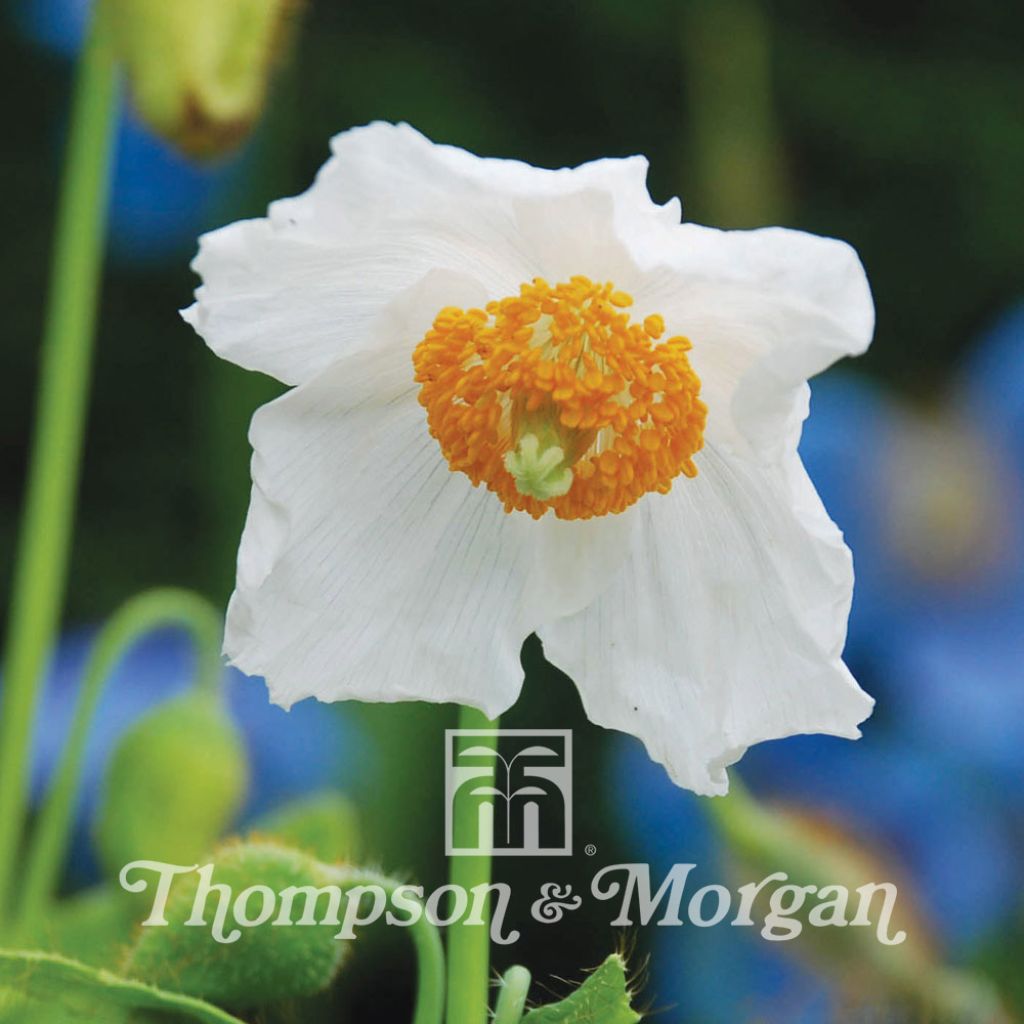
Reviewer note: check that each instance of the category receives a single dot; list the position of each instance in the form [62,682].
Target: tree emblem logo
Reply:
[520,783]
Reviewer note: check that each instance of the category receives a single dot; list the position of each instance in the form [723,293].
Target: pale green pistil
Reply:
[538,472]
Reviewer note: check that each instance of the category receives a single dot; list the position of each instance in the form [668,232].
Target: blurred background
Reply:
[898,127]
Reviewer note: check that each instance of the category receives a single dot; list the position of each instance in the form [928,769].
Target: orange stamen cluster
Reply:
[564,364]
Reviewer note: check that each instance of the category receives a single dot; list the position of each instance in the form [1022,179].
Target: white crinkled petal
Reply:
[368,569]
[726,625]
[291,293]
[285,305]
[391,171]
[571,561]
[765,311]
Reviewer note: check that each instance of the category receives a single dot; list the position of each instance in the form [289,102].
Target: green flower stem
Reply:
[430,973]
[736,156]
[40,567]
[515,986]
[469,947]
[136,618]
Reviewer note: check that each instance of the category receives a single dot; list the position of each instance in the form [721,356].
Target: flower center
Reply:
[555,400]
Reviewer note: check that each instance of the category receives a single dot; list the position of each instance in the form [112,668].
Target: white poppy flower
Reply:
[498,427]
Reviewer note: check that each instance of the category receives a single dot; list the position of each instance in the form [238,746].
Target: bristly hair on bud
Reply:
[606,994]
[199,72]
[264,963]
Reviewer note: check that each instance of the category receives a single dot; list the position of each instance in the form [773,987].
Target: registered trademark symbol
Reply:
[590,849]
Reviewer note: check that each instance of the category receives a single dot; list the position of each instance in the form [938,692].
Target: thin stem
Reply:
[515,987]
[430,972]
[48,514]
[136,618]
[734,136]
[469,944]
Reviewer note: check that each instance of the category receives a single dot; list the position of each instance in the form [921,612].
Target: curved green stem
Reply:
[469,945]
[41,562]
[430,972]
[515,987]
[138,616]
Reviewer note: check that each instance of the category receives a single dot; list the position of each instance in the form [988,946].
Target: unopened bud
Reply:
[324,825]
[198,70]
[175,782]
[253,960]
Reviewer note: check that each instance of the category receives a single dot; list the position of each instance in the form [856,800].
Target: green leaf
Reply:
[42,988]
[95,926]
[604,998]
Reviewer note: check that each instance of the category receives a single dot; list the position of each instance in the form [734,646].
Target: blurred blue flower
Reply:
[716,975]
[291,753]
[724,975]
[925,503]
[57,25]
[939,552]
[958,690]
[851,422]
[993,383]
[944,832]
[160,200]
[945,828]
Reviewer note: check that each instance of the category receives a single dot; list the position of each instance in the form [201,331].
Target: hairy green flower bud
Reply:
[174,783]
[264,963]
[198,70]
[324,825]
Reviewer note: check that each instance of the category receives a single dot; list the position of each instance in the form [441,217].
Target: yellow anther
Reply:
[654,326]
[553,399]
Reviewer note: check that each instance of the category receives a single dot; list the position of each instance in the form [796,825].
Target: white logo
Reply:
[519,797]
